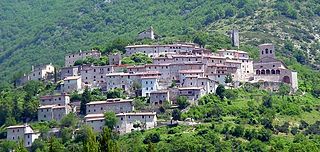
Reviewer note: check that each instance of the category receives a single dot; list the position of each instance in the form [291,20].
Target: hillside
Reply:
[37,32]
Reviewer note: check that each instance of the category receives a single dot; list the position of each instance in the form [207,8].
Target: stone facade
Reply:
[69,71]
[192,93]
[234,35]
[149,84]
[70,84]
[72,58]
[147,34]
[270,69]
[160,50]
[114,105]
[22,132]
[60,100]
[53,112]
[159,97]
[42,72]
[127,122]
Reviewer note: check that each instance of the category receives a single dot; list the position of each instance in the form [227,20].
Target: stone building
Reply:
[95,75]
[147,34]
[127,81]
[115,59]
[41,72]
[114,105]
[159,97]
[69,71]
[192,93]
[149,84]
[160,50]
[234,35]
[72,58]
[270,69]
[53,112]
[22,132]
[60,100]
[127,122]
[71,84]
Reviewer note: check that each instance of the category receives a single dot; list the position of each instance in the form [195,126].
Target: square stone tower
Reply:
[115,59]
[267,50]
[234,35]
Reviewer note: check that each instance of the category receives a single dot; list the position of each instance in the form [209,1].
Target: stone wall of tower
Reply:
[267,50]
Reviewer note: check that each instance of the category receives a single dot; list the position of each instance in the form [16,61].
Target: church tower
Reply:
[267,50]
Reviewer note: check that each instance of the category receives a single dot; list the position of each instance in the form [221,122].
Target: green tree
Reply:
[86,98]
[20,147]
[39,145]
[284,89]
[54,145]
[176,114]
[107,143]
[90,144]
[7,146]
[110,119]
[151,147]
[116,93]
[70,120]
[182,102]
[152,138]
[228,79]
[220,91]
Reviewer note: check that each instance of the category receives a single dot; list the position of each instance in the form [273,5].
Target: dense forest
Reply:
[36,32]
[245,119]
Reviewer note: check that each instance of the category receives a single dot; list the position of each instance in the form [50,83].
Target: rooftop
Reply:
[190,88]
[234,51]
[72,78]
[110,101]
[137,114]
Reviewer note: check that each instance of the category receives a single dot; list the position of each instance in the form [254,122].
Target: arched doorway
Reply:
[257,72]
[263,72]
[273,72]
[286,79]
[277,71]
[267,71]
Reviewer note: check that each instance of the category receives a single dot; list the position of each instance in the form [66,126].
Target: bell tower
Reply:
[267,50]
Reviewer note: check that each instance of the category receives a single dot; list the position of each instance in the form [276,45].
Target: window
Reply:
[142,116]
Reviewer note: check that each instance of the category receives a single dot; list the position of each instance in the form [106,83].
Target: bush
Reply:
[152,137]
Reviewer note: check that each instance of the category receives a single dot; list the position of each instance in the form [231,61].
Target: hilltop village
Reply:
[180,69]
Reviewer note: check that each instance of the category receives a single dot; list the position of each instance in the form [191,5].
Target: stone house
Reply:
[41,72]
[60,100]
[192,93]
[70,84]
[147,34]
[22,133]
[69,71]
[149,84]
[127,81]
[160,50]
[114,105]
[159,97]
[95,75]
[72,58]
[53,112]
[127,122]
